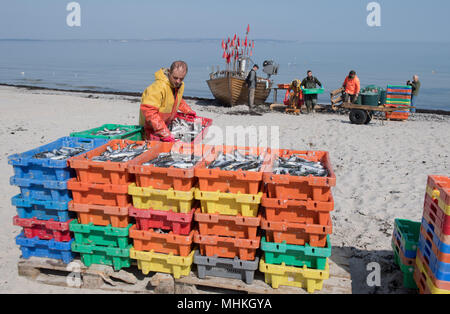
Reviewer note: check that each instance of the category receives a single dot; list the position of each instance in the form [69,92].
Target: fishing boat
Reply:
[229,86]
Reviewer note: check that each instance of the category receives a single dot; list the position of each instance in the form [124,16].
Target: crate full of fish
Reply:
[100,215]
[103,255]
[112,132]
[170,166]
[187,129]
[44,229]
[232,169]
[99,194]
[45,248]
[49,162]
[42,210]
[300,175]
[100,235]
[108,164]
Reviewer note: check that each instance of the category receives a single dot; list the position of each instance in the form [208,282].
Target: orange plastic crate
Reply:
[99,194]
[397,115]
[421,281]
[441,184]
[246,182]
[166,178]
[443,257]
[295,233]
[309,212]
[300,188]
[100,215]
[444,285]
[108,172]
[398,90]
[227,226]
[149,240]
[227,247]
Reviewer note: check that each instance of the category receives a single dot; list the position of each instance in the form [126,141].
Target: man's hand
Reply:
[192,113]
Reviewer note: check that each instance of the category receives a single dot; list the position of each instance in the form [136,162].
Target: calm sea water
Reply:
[105,65]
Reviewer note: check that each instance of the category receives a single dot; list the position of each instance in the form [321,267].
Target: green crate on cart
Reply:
[132,132]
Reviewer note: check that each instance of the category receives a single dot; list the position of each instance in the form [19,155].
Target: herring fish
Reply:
[120,154]
[298,166]
[166,160]
[185,131]
[61,153]
[236,161]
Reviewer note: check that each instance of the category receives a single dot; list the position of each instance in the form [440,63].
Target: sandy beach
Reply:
[381,168]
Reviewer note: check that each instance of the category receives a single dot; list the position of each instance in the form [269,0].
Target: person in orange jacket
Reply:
[161,101]
[352,87]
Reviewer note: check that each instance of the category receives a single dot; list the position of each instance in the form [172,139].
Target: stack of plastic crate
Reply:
[405,241]
[42,205]
[163,206]
[432,272]
[101,201]
[398,97]
[229,217]
[297,225]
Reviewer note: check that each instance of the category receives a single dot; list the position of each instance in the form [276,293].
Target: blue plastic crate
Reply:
[25,166]
[45,248]
[441,246]
[42,190]
[408,254]
[42,210]
[440,269]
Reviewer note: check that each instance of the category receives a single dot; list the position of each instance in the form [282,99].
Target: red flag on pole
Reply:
[224,55]
[248,28]
[245,43]
[239,42]
[253,44]
[234,37]
[223,45]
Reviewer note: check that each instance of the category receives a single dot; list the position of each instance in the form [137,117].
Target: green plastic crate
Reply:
[100,236]
[91,254]
[408,271]
[134,132]
[409,232]
[311,91]
[296,255]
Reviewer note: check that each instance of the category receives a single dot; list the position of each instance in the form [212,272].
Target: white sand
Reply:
[381,169]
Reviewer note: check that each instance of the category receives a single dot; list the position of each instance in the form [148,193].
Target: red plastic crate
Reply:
[227,247]
[397,115]
[146,219]
[300,188]
[228,226]
[309,212]
[100,215]
[108,172]
[297,234]
[149,240]
[246,182]
[99,194]
[167,178]
[44,229]
[442,185]
[438,217]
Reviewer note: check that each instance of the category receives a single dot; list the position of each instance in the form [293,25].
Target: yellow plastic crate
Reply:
[163,263]
[435,194]
[430,284]
[229,203]
[149,198]
[300,277]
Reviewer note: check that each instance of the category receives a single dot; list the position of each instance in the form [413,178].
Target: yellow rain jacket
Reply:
[159,105]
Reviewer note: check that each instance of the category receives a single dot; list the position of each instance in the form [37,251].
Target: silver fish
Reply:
[61,153]
[237,161]
[298,166]
[166,160]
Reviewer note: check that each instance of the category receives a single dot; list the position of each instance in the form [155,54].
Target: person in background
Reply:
[161,101]
[415,84]
[352,87]
[251,81]
[296,96]
[310,82]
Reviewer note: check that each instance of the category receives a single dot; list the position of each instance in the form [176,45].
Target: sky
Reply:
[312,20]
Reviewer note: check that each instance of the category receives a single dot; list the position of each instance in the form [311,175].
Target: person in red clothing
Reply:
[161,101]
[352,87]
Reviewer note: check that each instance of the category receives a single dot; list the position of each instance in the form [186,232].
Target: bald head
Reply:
[179,65]
[177,73]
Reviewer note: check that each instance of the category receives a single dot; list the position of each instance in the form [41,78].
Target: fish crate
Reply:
[163,178]
[408,233]
[440,219]
[429,224]
[211,245]
[148,262]
[146,219]
[297,234]
[296,255]
[407,266]
[300,277]
[45,248]
[99,194]
[225,267]
[100,215]
[426,281]
[433,242]
[421,282]
[100,235]
[166,243]
[228,226]
[438,188]
[206,123]
[231,204]
[239,181]
[42,210]
[130,132]
[312,91]
[27,167]
[44,229]
[290,187]
[149,198]
[440,269]
[42,190]
[309,211]
[102,255]
[107,172]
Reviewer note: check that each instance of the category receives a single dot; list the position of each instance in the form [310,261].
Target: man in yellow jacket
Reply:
[161,101]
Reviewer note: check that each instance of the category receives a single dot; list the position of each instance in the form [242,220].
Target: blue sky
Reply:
[318,20]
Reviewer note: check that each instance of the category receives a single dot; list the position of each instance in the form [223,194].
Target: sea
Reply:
[129,65]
